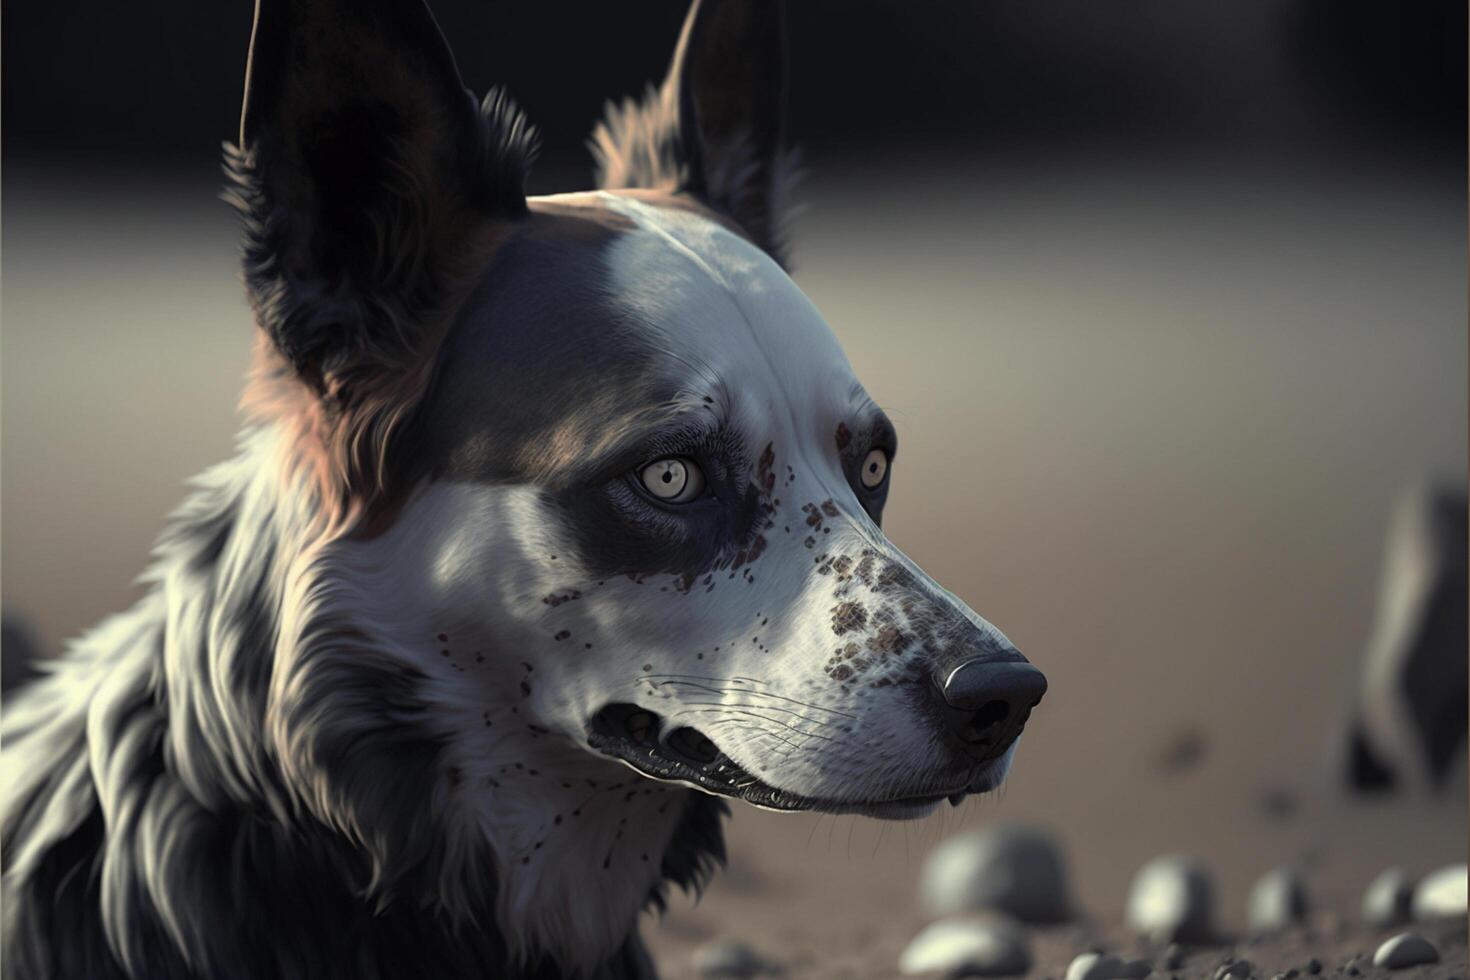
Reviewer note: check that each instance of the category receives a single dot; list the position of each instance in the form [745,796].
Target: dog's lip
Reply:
[723,776]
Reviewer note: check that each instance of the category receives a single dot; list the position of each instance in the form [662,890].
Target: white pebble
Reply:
[1386,900]
[1017,870]
[1104,966]
[1442,894]
[1172,900]
[1405,949]
[992,946]
[1278,901]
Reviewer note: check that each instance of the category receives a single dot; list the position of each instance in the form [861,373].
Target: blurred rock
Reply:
[1442,894]
[1233,969]
[1104,966]
[1405,949]
[1186,750]
[732,958]
[1387,899]
[1277,901]
[990,946]
[1172,899]
[1409,719]
[1278,803]
[1016,870]
[18,652]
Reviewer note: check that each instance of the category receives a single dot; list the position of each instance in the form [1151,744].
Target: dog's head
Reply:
[603,477]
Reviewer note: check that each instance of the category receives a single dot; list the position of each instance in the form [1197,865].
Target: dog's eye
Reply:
[875,468]
[674,480]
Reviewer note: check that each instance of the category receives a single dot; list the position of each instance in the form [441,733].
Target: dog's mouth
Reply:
[632,735]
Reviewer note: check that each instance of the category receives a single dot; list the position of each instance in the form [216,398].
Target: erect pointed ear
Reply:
[716,127]
[363,172]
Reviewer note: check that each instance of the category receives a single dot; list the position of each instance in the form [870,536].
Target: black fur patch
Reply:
[371,280]
[362,168]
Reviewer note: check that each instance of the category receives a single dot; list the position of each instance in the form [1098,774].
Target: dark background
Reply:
[157,84]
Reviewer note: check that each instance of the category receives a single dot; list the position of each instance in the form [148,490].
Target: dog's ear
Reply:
[715,128]
[364,173]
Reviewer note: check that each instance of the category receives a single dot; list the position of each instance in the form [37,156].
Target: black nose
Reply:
[987,702]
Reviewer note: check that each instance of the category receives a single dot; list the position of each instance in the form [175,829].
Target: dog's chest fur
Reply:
[580,853]
[580,841]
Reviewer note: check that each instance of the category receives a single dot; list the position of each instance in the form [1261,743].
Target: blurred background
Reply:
[1167,299]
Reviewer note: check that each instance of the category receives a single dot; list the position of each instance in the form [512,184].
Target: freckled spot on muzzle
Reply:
[888,639]
[845,662]
[848,616]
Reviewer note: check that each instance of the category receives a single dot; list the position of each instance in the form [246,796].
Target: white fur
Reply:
[744,663]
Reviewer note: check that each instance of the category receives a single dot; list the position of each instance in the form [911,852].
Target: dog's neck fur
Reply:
[189,789]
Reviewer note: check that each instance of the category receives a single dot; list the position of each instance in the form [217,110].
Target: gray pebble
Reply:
[1173,957]
[1236,969]
[1278,901]
[1405,949]
[1314,966]
[1104,966]
[1017,870]
[990,946]
[1441,895]
[732,958]
[1387,899]
[1172,900]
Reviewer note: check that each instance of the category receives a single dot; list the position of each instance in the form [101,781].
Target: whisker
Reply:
[769,707]
[751,708]
[731,709]
[674,680]
[760,732]
[706,677]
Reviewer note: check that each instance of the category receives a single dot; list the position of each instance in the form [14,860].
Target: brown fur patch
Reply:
[847,616]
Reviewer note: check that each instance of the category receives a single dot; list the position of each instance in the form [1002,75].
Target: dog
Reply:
[555,525]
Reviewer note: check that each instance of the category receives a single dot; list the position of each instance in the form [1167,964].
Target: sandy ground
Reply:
[1336,944]
[1151,424]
